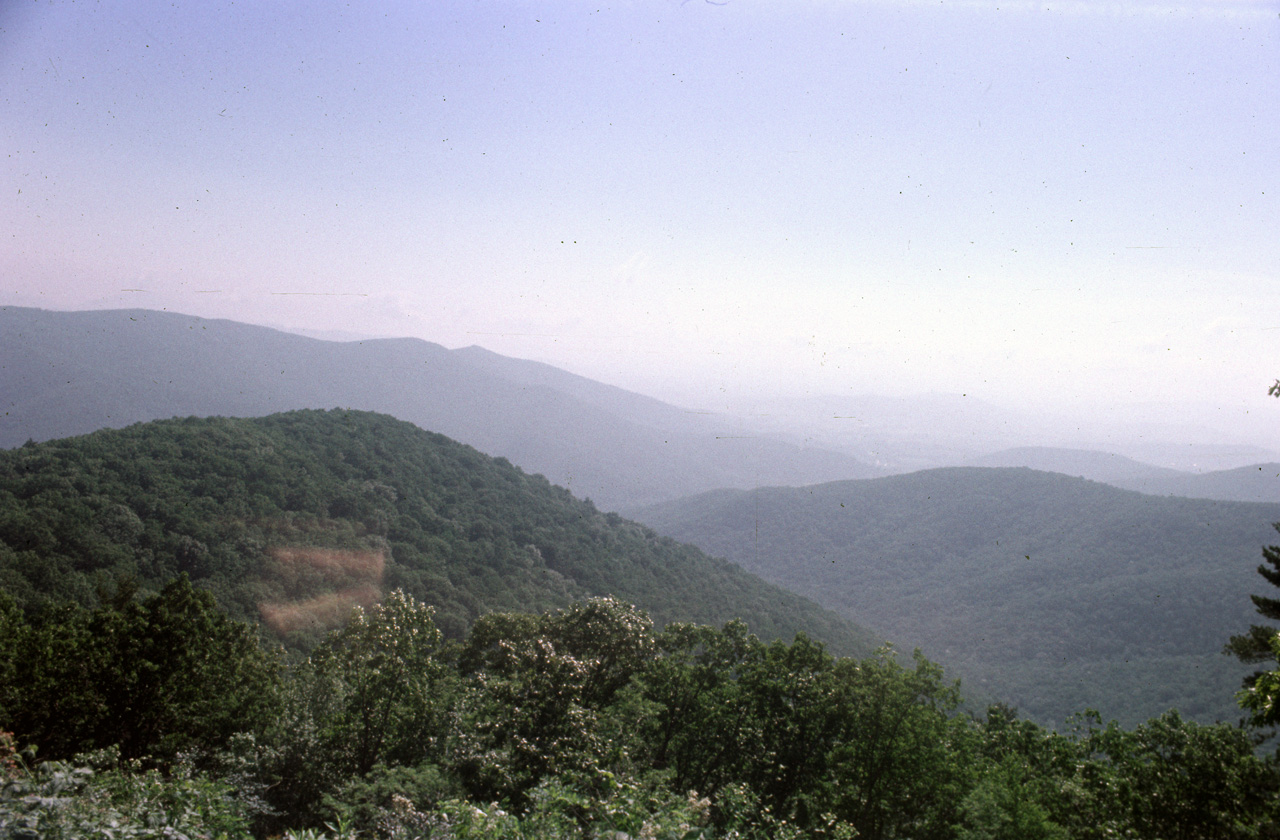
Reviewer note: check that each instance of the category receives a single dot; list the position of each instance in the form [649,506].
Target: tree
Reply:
[168,673]
[181,674]
[378,675]
[1261,693]
[704,729]
[375,692]
[1256,644]
[538,686]
[893,769]
[789,733]
[1177,779]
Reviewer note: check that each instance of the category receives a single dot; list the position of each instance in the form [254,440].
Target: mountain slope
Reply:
[1254,483]
[295,517]
[66,373]
[1095,466]
[1054,592]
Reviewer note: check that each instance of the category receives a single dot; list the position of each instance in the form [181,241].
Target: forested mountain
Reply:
[155,714]
[1054,593]
[1254,483]
[1106,467]
[295,517]
[69,373]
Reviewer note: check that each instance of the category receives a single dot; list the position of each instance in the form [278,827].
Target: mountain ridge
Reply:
[1030,584]
[294,518]
[1251,483]
[70,373]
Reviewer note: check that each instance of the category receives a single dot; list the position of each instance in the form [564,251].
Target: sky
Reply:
[1049,205]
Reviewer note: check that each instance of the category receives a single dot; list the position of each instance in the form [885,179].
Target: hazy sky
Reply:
[1027,202]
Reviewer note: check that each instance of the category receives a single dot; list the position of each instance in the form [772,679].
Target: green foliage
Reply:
[1002,806]
[168,673]
[295,517]
[892,766]
[373,694]
[579,721]
[95,800]
[1261,691]
[699,711]
[531,710]
[380,801]
[1023,774]
[14,632]
[1261,694]
[379,675]
[1256,645]
[1051,592]
[815,740]
[555,811]
[1177,779]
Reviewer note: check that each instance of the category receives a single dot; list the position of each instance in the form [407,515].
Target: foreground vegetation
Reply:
[161,717]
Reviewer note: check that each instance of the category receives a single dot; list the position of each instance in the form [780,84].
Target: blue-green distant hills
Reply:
[1052,592]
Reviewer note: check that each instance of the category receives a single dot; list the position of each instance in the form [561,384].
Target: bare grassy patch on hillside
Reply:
[358,574]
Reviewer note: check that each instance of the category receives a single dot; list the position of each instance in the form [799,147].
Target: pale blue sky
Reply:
[1040,203]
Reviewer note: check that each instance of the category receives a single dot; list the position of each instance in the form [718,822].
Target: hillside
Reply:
[1055,593]
[70,373]
[295,517]
[1253,483]
[1106,467]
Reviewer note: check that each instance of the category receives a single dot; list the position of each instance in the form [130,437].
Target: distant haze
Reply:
[1067,210]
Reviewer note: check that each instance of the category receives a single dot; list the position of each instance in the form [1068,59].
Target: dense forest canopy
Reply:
[293,518]
[463,658]
[1053,592]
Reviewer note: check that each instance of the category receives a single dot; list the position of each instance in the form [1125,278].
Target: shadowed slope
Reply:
[1054,592]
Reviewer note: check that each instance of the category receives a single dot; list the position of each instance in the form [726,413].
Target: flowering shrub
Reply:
[58,800]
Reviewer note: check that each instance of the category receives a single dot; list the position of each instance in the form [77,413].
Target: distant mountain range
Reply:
[1254,483]
[1038,586]
[908,433]
[68,373]
[1052,592]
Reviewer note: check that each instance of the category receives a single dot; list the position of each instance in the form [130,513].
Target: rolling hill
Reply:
[1105,467]
[1253,483]
[1053,592]
[69,373]
[296,517]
